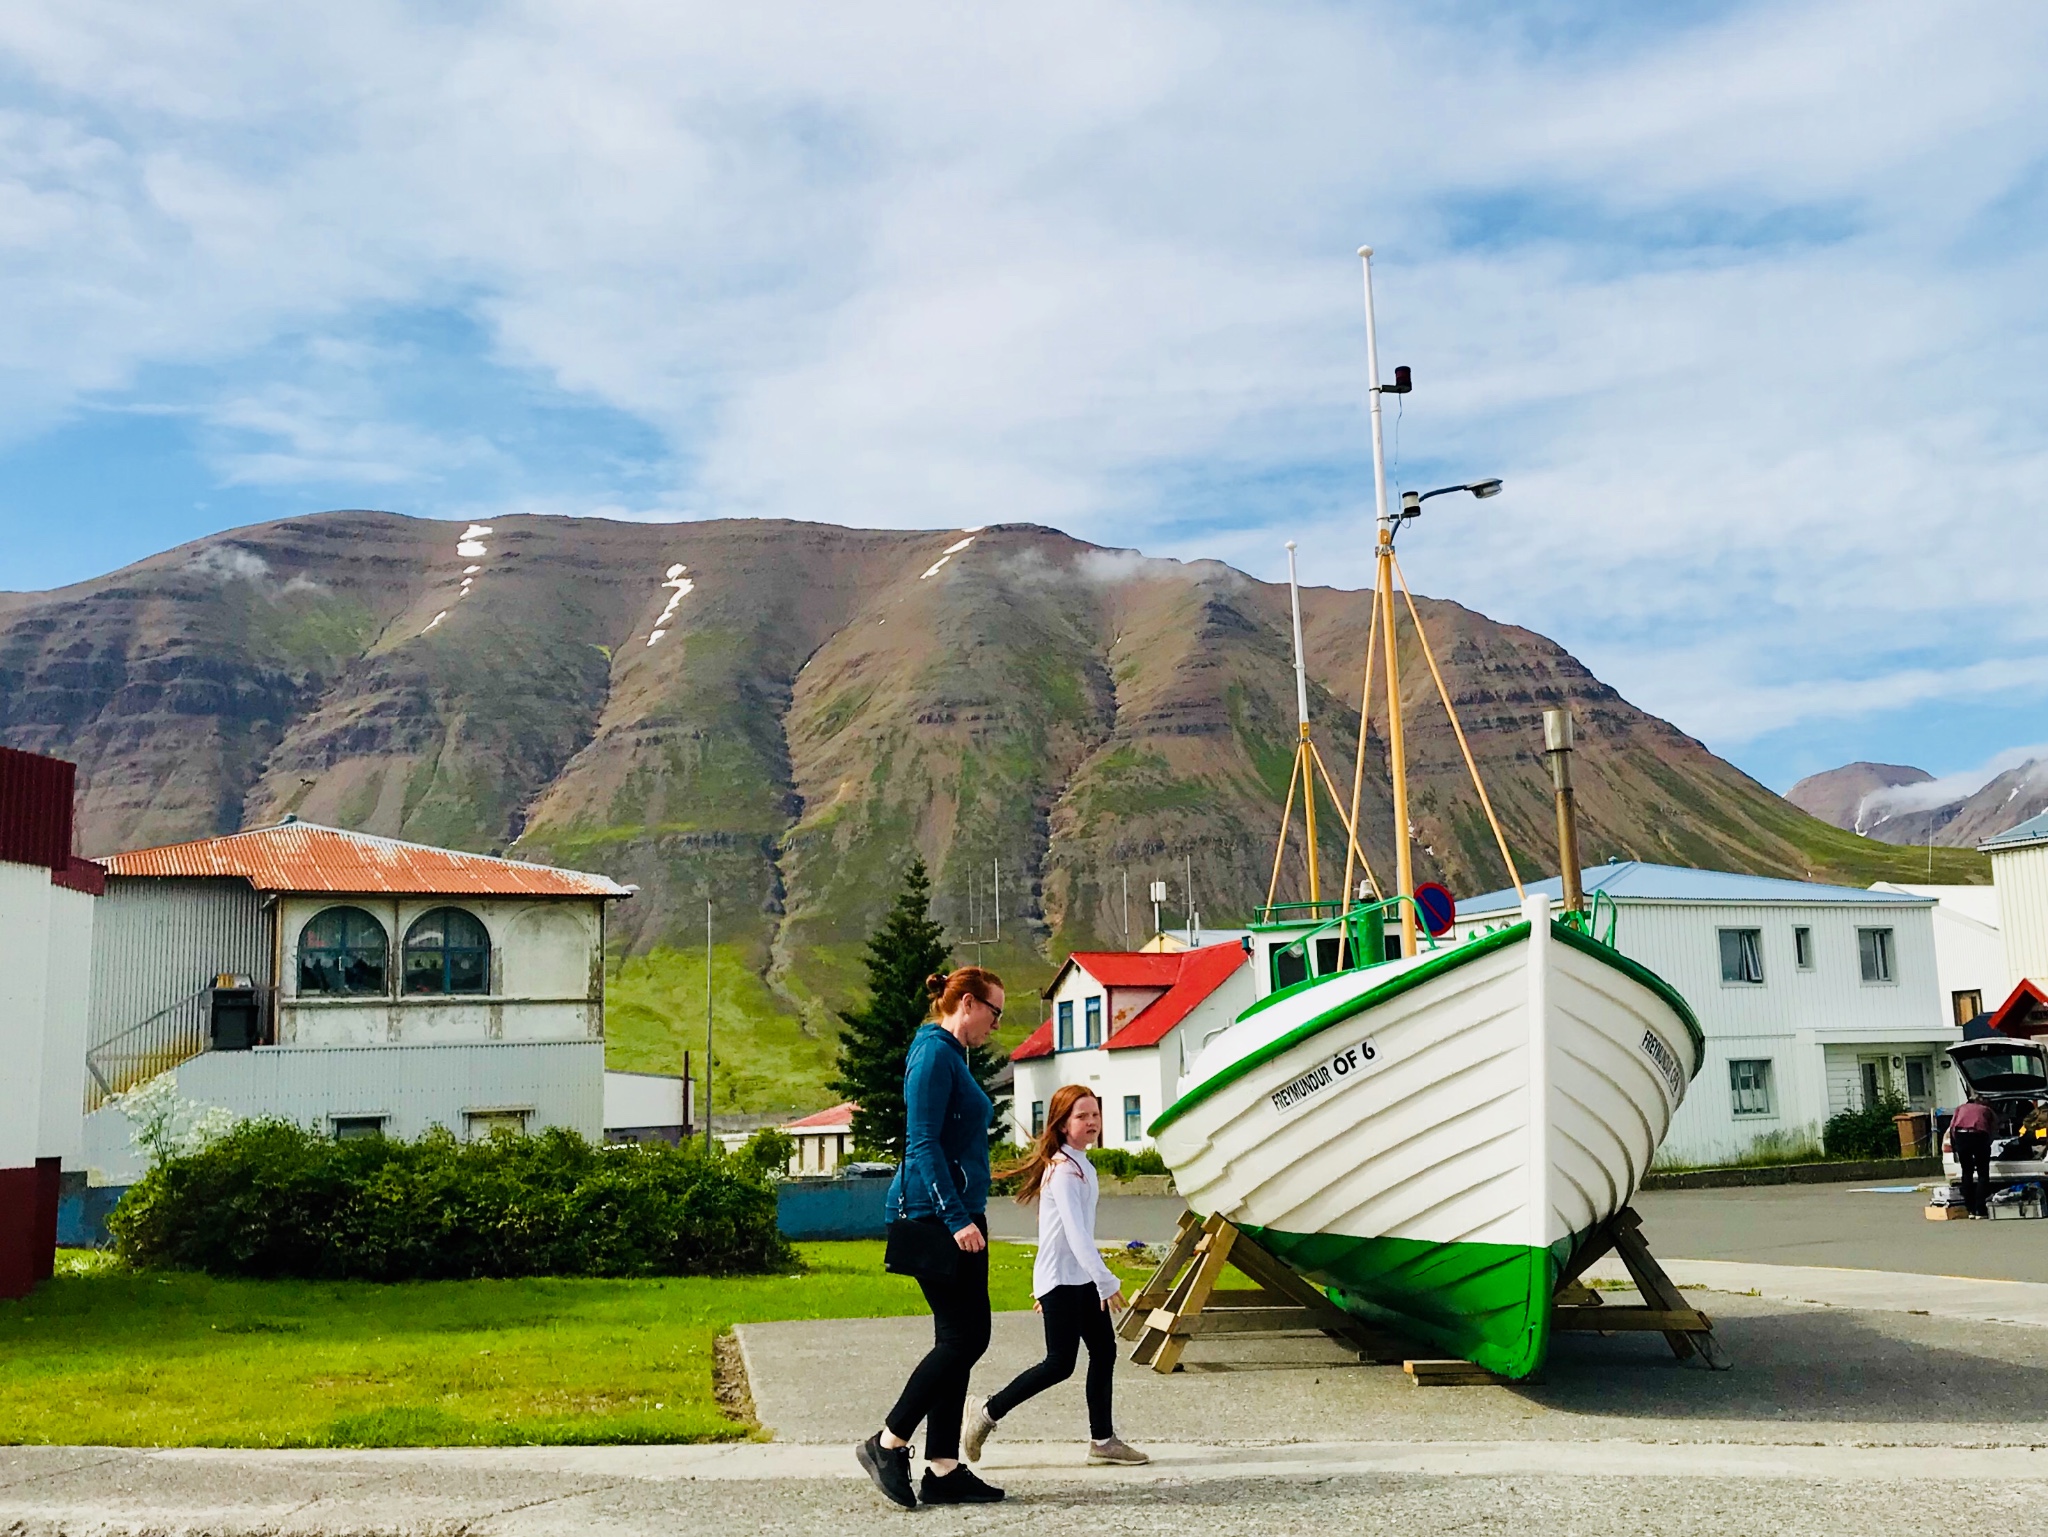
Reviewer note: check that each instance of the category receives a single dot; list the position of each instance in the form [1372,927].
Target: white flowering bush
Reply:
[164,1124]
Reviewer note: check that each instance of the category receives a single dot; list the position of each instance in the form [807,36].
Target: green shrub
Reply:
[274,1200]
[1117,1163]
[1865,1133]
[768,1151]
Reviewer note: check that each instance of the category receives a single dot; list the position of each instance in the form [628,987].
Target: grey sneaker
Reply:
[975,1426]
[1114,1451]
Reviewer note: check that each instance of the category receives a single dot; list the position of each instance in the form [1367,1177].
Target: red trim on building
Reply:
[35,808]
[81,875]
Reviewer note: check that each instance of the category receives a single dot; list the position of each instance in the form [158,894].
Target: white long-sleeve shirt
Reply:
[1066,1228]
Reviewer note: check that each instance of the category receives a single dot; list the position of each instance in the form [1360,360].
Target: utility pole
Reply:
[1189,888]
[1127,906]
[1557,747]
[999,900]
[708,1144]
[1158,896]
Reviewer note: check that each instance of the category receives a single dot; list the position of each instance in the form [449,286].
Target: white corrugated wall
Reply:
[2022,881]
[66,993]
[158,941]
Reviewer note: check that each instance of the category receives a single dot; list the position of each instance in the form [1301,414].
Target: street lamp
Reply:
[1411,501]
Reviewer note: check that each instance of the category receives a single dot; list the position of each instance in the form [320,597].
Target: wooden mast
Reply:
[1404,859]
[1304,761]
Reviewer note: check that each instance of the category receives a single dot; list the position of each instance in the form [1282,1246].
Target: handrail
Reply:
[153,1045]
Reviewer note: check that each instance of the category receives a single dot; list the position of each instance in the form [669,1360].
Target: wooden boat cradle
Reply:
[1181,1302]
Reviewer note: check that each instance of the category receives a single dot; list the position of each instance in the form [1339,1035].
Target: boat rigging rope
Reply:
[1463,746]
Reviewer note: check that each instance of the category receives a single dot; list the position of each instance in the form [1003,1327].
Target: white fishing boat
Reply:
[1431,1137]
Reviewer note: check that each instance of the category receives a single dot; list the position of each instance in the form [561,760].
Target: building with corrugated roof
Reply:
[354,983]
[1126,1023]
[2019,871]
[47,900]
[823,1139]
[1814,999]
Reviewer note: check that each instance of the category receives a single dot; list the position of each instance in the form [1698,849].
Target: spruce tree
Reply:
[907,948]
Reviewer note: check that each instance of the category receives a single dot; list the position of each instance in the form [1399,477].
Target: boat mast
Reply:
[1304,764]
[1404,861]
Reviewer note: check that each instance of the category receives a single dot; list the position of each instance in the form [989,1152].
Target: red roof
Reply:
[2013,1017]
[304,856]
[839,1116]
[1188,976]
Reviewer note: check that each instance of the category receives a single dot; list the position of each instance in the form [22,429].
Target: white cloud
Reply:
[1746,313]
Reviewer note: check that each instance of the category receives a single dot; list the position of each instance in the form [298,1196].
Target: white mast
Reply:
[1300,671]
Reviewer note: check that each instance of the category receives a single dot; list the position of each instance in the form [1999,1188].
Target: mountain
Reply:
[1915,808]
[1837,795]
[776,716]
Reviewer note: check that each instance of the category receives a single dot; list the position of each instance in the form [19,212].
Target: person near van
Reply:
[1969,1138]
[1074,1289]
[938,1234]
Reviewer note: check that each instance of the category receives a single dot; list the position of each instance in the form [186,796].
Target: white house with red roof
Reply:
[822,1140]
[1127,1023]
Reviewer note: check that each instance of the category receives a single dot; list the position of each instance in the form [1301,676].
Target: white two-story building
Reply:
[353,983]
[1814,999]
[1126,1023]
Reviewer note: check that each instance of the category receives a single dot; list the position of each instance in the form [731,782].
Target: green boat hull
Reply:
[1486,1303]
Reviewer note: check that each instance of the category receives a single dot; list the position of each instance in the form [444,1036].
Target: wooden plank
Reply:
[1159,1285]
[1250,1321]
[1449,1374]
[1659,1292]
[1189,1298]
[1609,1319]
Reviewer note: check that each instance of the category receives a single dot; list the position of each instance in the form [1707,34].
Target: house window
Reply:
[1874,946]
[1066,1035]
[447,951]
[481,1125]
[1749,1083]
[1037,1116]
[342,951]
[1967,1004]
[1093,1009]
[1742,955]
[1134,1121]
[1802,948]
[350,1128]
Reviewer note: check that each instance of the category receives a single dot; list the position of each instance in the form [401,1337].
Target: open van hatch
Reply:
[2002,1069]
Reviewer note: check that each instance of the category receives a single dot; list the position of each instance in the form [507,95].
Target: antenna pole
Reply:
[997,900]
[1397,742]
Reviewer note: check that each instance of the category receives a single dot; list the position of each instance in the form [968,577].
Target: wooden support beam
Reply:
[1450,1374]
[1616,1319]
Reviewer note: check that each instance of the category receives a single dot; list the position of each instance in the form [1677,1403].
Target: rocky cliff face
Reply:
[778,715]
[1888,801]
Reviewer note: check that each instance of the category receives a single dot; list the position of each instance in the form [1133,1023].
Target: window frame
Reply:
[1134,1118]
[1877,945]
[1037,1117]
[344,954]
[445,951]
[489,1117]
[1802,947]
[349,1128]
[1749,948]
[1761,1085]
[1091,1015]
[1063,1025]
[1955,1004]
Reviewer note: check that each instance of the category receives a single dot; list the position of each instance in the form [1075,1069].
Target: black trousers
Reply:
[1973,1153]
[937,1390]
[1073,1315]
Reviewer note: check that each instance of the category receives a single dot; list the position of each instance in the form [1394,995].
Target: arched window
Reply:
[447,951]
[343,951]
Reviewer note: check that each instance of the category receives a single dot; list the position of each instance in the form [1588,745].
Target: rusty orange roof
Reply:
[838,1118]
[304,856]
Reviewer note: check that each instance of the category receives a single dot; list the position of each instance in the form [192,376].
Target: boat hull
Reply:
[1374,1130]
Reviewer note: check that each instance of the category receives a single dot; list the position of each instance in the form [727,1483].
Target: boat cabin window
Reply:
[1329,955]
[2018,1071]
[1290,965]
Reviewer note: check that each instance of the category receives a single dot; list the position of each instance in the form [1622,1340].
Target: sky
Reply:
[1746,304]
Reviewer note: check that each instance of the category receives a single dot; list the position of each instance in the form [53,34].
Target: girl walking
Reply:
[938,1233]
[1075,1290]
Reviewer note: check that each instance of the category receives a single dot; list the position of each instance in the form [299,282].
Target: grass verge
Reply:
[109,1357]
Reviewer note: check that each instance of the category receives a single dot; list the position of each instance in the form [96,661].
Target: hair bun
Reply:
[935,984]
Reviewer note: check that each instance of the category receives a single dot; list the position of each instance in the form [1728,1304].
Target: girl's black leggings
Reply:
[1073,1315]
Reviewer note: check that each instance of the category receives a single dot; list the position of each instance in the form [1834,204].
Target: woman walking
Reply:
[938,1234]
[1075,1290]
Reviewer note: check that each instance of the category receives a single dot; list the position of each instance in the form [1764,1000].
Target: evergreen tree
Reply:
[907,948]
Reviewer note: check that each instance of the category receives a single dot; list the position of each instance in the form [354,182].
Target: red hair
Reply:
[948,989]
[1047,1144]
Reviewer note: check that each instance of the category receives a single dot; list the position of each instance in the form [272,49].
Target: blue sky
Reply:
[1744,302]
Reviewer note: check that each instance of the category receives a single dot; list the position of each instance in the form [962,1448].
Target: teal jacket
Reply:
[945,1150]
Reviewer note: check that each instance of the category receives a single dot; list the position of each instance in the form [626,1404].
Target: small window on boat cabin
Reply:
[1037,1116]
[1065,1039]
[1968,1004]
[1749,1085]
[342,952]
[1874,949]
[1742,955]
[1092,1008]
[1802,948]
[1329,955]
[1290,965]
[1134,1119]
[447,951]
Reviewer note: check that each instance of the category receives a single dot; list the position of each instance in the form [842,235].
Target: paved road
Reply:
[1841,1225]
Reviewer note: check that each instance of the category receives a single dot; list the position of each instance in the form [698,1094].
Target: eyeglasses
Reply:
[994,1013]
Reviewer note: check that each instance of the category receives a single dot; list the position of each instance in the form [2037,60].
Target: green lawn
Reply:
[109,1357]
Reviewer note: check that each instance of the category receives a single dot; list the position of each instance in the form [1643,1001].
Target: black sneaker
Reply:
[889,1467]
[959,1487]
